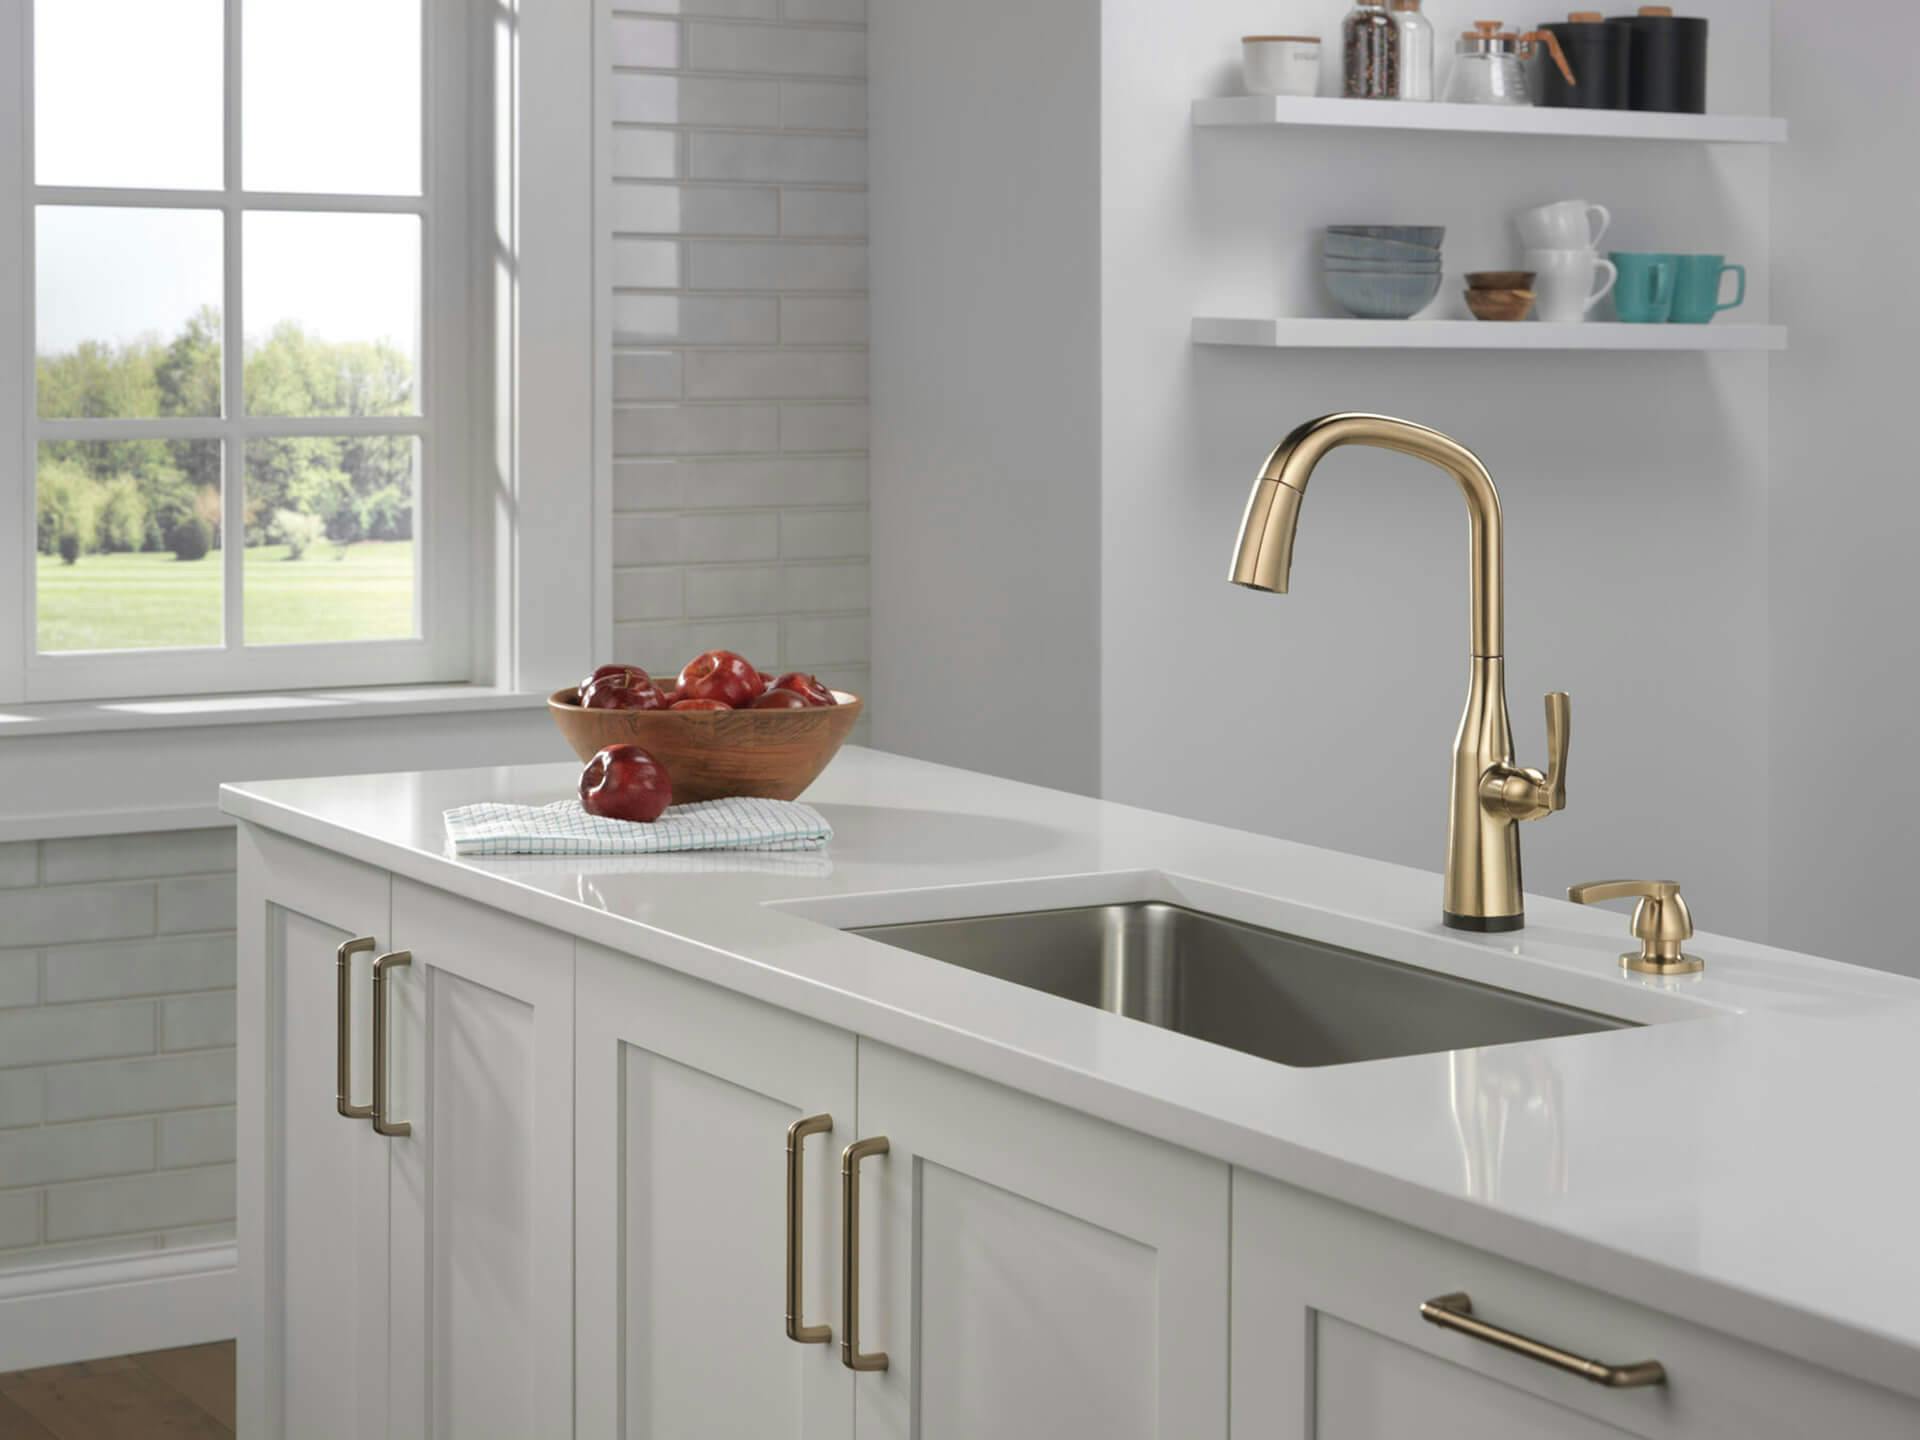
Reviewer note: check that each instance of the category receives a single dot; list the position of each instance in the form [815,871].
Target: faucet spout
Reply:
[1491,794]
[1264,557]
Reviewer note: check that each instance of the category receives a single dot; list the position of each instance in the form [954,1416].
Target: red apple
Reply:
[624,688]
[778,699]
[700,705]
[807,687]
[624,782]
[721,675]
[617,668]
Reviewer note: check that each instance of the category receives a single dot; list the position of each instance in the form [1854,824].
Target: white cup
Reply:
[1563,284]
[1280,64]
[1566,225]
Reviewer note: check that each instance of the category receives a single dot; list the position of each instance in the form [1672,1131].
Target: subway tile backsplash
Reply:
[739,319]
[116,1045]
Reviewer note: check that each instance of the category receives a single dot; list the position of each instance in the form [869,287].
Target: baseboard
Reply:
[123,1306]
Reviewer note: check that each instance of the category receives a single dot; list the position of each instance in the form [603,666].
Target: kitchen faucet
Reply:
[1491,795]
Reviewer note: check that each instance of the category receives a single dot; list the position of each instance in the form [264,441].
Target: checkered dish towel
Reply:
[564,828]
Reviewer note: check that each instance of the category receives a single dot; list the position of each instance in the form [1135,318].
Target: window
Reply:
[250,381]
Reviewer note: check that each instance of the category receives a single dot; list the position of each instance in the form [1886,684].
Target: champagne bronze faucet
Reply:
[1491,795]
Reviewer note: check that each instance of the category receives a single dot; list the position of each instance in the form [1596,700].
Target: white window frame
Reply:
[454,385]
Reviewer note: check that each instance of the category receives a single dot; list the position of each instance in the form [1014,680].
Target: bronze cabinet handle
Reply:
[378,1111]
[850,1355]
[343,1028]
[1455,1312]
[797,1133]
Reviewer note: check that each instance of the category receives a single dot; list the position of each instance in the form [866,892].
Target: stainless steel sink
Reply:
[1282,998]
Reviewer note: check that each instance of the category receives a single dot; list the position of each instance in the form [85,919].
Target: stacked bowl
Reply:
[1383,272]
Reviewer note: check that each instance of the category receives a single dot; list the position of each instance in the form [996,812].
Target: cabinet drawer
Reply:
[1329,1344]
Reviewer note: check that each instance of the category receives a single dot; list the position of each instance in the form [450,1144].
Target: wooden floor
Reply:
[184,1394]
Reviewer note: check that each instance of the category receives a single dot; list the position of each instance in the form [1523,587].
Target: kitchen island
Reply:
[561,1200]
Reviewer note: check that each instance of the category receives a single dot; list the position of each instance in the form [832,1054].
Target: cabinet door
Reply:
[312,1183]
[1030,1272]
[1328,1344]
[686,1095]
[481,1057]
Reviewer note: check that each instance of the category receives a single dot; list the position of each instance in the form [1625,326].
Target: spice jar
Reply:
[1416,50]
[1372,44]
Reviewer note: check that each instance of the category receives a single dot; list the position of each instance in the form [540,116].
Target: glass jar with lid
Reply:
[1489,64]
[1371,59]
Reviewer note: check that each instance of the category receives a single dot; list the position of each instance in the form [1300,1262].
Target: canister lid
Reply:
[1662,11]
[1585,17]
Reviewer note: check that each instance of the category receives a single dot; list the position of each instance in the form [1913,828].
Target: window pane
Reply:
[332,305]
[129,93]
[330,550]
[127,312]
[128,534]
[332,96]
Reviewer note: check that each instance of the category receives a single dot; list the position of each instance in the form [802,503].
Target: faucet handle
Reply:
[1559,732]
[1520,794]
[1661,922]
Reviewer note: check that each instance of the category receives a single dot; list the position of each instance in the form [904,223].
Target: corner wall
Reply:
[116,1046]
[986,327]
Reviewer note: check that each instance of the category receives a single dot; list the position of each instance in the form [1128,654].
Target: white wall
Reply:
[1635,486]
[1846,510]
[739,320]
[1634,489]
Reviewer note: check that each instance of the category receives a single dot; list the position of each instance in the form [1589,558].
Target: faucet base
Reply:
[1485,924]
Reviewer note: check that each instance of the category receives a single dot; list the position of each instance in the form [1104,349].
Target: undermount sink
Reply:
[1279,997]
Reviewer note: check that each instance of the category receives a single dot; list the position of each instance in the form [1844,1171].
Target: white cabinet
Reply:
[313,1183]
[1030,1272]
[1329,1344]
[406,1284]
[480,1036]
[686,1096]
[587,1215]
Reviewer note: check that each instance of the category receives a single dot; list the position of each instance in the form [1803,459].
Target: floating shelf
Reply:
[1335,334]
[1322,111]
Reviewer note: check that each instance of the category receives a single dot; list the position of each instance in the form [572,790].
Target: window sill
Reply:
[138,766]
[81,717]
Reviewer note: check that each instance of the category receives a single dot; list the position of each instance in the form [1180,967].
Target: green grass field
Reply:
[144,602]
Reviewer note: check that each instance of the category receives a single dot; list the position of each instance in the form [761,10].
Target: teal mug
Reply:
[1696,290]
[1644,295]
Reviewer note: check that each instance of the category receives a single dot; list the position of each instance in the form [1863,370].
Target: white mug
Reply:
[1566,225]
[1280,64]
[1563,284]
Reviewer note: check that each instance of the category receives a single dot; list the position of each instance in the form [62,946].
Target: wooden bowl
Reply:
[1500,280]
[710,754]
[1506,305]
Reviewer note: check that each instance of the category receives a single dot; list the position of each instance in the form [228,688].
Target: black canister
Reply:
[1601,56]
[1668,70]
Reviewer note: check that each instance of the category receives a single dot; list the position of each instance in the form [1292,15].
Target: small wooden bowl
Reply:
[710,754]
[1500,280]
[1506,305]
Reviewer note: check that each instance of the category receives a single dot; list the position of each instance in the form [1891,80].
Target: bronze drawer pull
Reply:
[381,1124]
[797,1329]
[850,1355]
[1455,1312]
[343,1028]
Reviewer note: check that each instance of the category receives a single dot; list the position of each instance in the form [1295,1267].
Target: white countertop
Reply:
[1753,1166]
